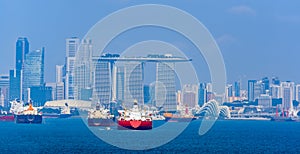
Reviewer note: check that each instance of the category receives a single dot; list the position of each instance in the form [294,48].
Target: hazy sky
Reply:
[256,38]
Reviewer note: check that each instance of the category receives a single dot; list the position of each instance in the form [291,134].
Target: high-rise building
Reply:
[298,92]
[258,89]
[265,85]
[59,73]
[120,83]
[287,93]
[251,84]
[165,79]
[72,45]
[189,95]
[40,95]
[59,95]
[83,68]
[33,74]
[102,83]
[229,93]
[134,83]
[275,91]
[265,101]
[22,48]
[237,89]
[202,94]
[4,90]
[16,76]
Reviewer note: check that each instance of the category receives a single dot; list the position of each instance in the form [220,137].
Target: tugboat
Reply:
[29,115]
[134,119]
[100,117]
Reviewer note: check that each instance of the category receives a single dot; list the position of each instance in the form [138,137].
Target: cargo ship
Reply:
[182,116]
[29,115]
[100,117]
[134,118]
[286,116]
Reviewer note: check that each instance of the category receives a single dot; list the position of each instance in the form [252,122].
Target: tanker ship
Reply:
[134,119]
[29,115]
[100,117]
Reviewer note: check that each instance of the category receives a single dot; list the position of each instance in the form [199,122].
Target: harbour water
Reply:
[226,136]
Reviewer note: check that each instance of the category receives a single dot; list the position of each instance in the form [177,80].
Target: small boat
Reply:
[134,118]
[183,116]
[100,117]
[29,115]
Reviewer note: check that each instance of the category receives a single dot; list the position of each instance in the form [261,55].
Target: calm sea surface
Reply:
[72,136]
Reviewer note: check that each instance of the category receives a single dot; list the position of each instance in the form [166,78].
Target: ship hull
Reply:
[179,119]
[64,115]
[34,119]
[7,118]
[134,124]
[100,122]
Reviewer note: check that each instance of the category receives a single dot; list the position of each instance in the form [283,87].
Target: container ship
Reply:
[134,118]
[29,115]
[100,117]
[286,116]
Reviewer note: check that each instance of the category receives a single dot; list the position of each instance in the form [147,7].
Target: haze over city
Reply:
[256,39]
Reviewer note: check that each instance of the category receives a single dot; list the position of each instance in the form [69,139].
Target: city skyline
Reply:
[235,37]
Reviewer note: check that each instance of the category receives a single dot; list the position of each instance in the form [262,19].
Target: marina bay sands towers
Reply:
[122,79]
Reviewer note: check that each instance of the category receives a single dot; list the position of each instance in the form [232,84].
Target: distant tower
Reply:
[71,49]
[298,92]
[202,94]
[33,70]
[237,89]
[16,76]
[287,93]
[83,69]
[251,84]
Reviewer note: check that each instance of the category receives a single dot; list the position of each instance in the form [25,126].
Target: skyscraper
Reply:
[266,85]
[83,68]
[165,79]
[33,70]
[71,49]
[298,92]
[22,48]
[237,89]
[59,73]
[202,94]
[102,82]
[287,92]
[15,82]
[251,83]
[16,76]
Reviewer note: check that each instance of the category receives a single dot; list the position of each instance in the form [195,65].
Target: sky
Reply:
[256,38]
